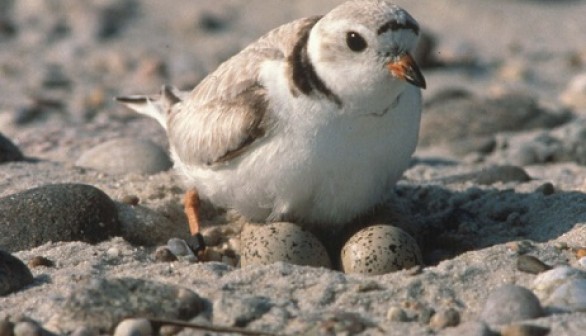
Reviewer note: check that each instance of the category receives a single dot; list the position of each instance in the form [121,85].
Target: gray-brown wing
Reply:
[229,109]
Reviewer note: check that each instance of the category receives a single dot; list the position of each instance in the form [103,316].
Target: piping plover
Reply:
[312,123]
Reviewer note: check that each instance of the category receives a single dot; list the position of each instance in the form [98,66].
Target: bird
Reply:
[312,123]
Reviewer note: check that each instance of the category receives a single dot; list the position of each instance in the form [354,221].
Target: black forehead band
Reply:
[394,25]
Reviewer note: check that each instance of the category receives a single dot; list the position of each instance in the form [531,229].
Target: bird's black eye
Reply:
[355,42]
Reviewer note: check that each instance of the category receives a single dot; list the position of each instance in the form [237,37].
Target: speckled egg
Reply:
[380,249]
[264,244]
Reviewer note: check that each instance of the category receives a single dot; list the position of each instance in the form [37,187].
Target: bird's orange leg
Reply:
[191,207]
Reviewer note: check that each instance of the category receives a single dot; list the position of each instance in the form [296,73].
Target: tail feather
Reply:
[157,107]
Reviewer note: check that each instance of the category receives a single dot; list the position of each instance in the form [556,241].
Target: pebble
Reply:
[37,261]
[397,314]
[511,303]
[468,116]
[230,310]
[57,212]
[582,262]
[27,328]
[179,247]
[100,304]
[524,330]
[126,156]
[8,151]
[445,318]
[140,225]
[270,243]
[380,249]
[530,264]
[212,235]
[163,254]
[14,275]
[134,327]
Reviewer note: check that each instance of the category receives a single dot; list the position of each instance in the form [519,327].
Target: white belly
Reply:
[324,175]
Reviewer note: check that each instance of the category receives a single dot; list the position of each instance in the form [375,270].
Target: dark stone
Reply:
[8,151]
[58,212]
[460,116]
[14,274]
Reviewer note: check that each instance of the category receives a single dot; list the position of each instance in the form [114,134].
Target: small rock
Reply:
[397,314]
[340,323]
[125,156]
[530,264]
[212,235]
[57,212]
[179,247]
[140,225]
[524,330]
[14,275]
[100,304]
[270,243]
[465,117]
[134,327]
[445,318]
[163,254]
[380,249]
[511,303]
[471,328]
[37,261]
[27,328]
[239,311]
[546,189]
[8,151]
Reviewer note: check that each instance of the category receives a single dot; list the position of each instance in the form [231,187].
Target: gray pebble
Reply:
[27,328]
[125,156]
[58,212]
[178,247]
[14,275]
[239,310]
[100,304]
[511,303]
[467,116]
[8,151]
[530,264]
[140,225]
[134,327]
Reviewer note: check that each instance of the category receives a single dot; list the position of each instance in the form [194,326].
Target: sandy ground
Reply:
[62,62]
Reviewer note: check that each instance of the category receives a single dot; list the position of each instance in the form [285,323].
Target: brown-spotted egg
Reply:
[380,249]
[264,244]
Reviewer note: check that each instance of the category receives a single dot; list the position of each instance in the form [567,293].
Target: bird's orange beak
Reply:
[406,69]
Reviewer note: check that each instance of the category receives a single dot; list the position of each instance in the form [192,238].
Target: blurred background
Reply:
[61,62]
